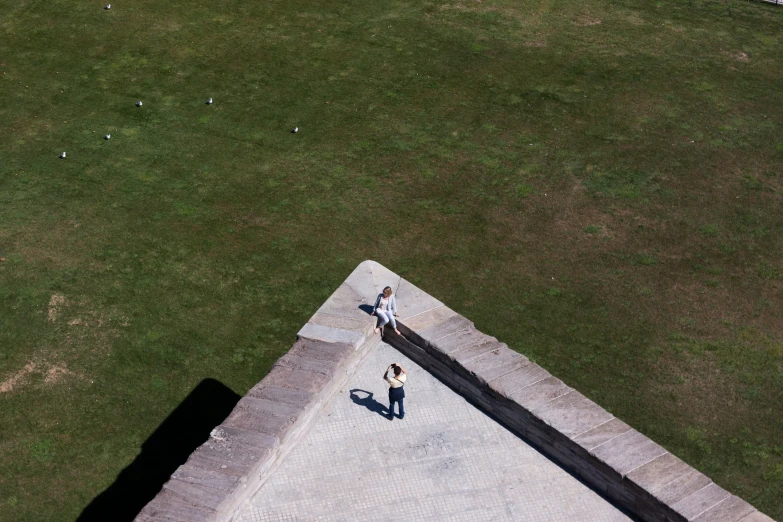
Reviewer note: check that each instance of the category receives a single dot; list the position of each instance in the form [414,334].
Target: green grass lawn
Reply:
[600,185]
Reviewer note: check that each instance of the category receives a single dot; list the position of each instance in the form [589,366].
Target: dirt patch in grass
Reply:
[17,378]
[541,43]
[51,374]
[56,302]
[56,373]
[586,20]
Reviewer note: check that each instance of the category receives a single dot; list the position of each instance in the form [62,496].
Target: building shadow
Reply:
[184,430]
[369,402]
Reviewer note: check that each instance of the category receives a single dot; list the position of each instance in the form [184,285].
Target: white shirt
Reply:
[391,304]
[396,382]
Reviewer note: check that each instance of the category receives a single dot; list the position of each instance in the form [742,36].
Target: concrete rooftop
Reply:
[445,461]
[301,446]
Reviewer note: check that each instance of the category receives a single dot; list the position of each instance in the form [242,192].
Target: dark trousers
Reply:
[402,408]
[396,395]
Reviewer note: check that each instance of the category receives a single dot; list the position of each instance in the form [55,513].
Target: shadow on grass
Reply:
[163,452]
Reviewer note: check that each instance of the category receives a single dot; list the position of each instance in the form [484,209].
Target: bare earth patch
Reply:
[94,319]
[15,379]
[52,374]
[586,20]
[56,374]
[55,303]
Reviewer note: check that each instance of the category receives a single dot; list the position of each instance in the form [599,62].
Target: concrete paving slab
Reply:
[308,364]
[541,392]
[682,487]
[198,494]
[279,394]
[601,434]
[497,362]
[322,351]
[327,334]
[430,318]
[383,277]
[412,301]
[172,508]
[572,414]
[268,424]
[346,302]
[209,478]
[296,379]
[628,451]
[445,460]
[702,500]
[514,383]
[362,282]
[472,352]
[758,516]
[359,324]
[198,461]
[730,510]
[657,473]
[236,457]
[267,407]
[249,438]
[461,340]
[231,457]
[439,330]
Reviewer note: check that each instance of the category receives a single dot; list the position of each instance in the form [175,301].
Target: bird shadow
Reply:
[369,402]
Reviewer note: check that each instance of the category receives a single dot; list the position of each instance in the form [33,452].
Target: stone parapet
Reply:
[632,471]
[615,460]
[244,450]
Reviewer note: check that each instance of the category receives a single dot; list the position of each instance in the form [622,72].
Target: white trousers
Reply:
[386,317]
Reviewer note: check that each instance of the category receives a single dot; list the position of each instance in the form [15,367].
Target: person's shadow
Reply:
[369,403]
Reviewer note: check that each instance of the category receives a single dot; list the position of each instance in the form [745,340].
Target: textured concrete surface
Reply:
[445,461]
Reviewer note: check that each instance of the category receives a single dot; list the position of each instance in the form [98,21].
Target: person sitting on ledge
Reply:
[386,308]
[396,388]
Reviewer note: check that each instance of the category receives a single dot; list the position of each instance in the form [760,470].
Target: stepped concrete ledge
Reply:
[610,457]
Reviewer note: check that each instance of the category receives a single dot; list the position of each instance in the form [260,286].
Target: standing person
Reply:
[396,388]
[386,308]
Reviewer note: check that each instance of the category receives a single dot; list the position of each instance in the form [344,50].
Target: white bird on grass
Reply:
[62,156]
[107,137]
[209,101]
[138,104]
[108,6]
[295,130]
